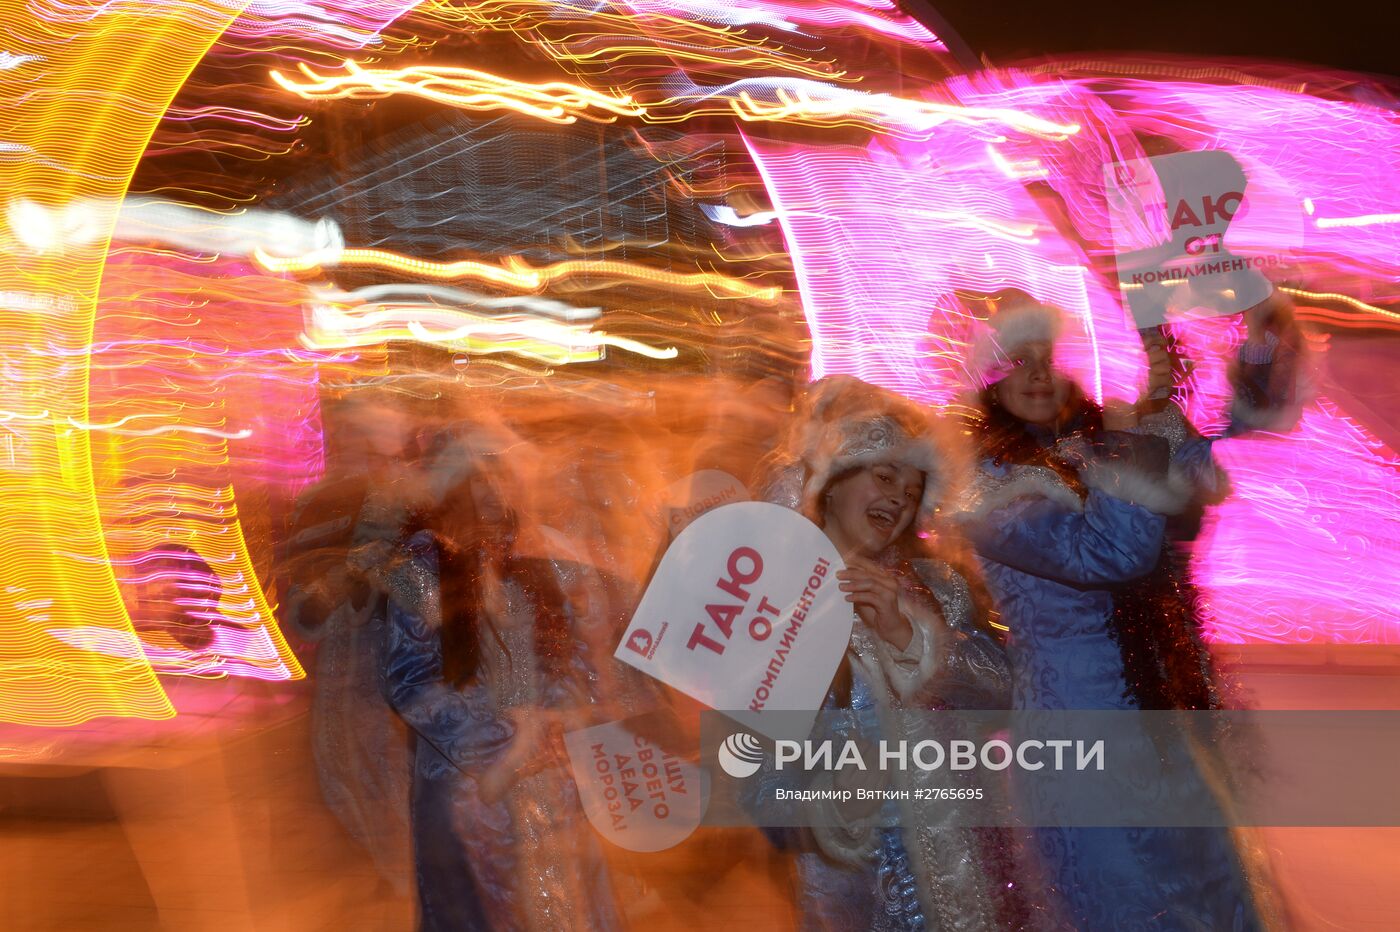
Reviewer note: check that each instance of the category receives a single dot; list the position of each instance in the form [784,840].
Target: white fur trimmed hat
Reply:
[1014,319]
[849,424]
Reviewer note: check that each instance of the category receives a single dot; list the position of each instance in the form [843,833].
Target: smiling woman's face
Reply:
[1034,391]
[867,510]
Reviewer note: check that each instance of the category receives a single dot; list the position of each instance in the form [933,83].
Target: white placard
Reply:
[744,614]
[635,794]
[698,493]
[1171,216]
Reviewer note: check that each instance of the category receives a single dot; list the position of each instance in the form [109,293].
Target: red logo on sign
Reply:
[640,641]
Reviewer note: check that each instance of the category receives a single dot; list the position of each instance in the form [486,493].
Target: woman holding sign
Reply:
[1070,518]
[865,466]
[482,664]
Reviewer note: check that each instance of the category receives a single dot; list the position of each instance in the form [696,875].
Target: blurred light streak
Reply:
[723,213]
[231,651]
[348,24]
[1327,223]
[104,88]
[818,104]
[714,11]
[373,293]
[827,17]
[547,341]
[592,341]
[164,429]
[890,300]
[238,232]
[881,283]
[1350,168]
[1345,299]
[10,60]
[605,37]
[260,122]
[519,274]
[463,88]
[232,407]
[229,233]
[757,100]
[1327,490]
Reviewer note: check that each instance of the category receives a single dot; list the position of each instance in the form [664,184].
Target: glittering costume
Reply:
[1072,528]
[923,874]
[363,756]
[526,860]
[1055,563]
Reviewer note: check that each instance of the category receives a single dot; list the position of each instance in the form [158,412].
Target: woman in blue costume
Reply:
[1070,520]
[483,664]
[361,746]
[864,465]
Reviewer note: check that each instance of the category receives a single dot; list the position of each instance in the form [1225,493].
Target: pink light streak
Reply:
[886,20]
[205,348]
[883,237]
[1307,548]
[340,24]
[1344,157]
[1324,175]
[233,651]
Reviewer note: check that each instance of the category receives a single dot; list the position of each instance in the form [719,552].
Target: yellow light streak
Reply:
[819,104]
[549,341]
[463,88]
[517,274]
[1345,299]
[603,38]
[105,87]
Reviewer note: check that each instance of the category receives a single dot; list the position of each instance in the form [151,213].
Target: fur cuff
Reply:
[1278,419]
[1164,495]
[989,494]
[851,844]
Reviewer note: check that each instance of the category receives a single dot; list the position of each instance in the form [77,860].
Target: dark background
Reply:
[1349,34]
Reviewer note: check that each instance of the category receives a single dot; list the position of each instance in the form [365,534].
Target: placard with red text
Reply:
[636,794]
[744,614]
[1189,241]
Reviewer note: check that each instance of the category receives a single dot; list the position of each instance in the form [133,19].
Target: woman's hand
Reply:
[1159,370]
[1119,415]
[1273,314]
[875,594]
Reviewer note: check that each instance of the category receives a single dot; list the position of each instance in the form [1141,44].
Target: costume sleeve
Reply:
[1194,466]
[1269,387]
[1110,541]
[460,723]
[908,671]
[848,844]
[971,670]
[1193,469]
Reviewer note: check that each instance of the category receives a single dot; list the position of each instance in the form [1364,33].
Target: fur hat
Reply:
[1014,319]
[849,424]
